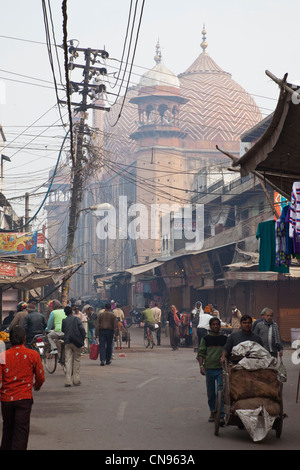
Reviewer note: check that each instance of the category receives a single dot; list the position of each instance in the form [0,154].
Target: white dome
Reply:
[159,76]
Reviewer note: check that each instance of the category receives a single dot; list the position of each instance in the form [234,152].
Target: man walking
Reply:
[235,318]
[195,315]
[106,328]
[268,331]
[209,358]
[21,370]
[74,336]
[157,320]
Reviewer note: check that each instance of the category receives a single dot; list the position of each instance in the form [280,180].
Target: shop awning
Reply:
[143,268]
[250,276]
[274,158]
[30,276]
[240,275]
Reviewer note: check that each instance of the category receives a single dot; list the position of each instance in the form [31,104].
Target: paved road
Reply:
[148,400]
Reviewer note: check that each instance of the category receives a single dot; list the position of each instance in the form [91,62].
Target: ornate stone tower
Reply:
[161,166]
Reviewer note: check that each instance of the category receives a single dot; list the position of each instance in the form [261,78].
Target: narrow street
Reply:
[148,400]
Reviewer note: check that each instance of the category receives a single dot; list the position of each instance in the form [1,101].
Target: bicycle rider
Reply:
[148,318]
[55,321]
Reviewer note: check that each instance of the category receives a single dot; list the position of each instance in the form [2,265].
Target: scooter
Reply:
[135,317]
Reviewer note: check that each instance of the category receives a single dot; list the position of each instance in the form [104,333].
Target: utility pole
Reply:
[88,91]
[27,217]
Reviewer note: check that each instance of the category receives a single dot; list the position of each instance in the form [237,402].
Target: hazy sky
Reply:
[244,38]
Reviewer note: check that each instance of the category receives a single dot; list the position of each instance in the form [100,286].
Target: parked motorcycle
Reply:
[38,344]
[135,317]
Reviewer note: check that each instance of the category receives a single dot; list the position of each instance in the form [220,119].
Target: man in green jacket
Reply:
[209,355]
[148,318]
[54,325]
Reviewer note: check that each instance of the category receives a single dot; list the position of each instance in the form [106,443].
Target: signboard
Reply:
[201,264]
[15,243]
[8,269]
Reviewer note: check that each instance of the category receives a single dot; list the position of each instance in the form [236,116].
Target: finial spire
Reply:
[157,57]
[204,43]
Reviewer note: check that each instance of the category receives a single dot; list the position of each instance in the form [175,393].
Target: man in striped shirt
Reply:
[209,355]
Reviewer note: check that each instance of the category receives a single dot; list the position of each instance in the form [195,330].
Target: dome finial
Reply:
[204,43]
[157,57]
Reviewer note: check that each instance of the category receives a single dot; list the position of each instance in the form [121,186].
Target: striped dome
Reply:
[219,109]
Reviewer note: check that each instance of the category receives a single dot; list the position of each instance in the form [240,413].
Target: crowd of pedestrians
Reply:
[22,369]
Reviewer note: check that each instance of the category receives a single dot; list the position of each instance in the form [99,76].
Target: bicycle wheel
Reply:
[50,360]
[146,341]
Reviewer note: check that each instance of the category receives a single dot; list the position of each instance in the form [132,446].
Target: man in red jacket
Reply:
[21,370]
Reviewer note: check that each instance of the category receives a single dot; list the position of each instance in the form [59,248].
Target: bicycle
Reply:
[51,360]
[149,340]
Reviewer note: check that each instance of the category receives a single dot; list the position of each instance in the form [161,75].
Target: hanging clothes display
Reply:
[280,239]
[267,248]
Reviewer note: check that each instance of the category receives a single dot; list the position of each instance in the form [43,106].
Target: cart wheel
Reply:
[218,412]
[278,426]
[279,421]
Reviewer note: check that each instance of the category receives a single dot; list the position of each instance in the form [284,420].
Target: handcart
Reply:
[247,403]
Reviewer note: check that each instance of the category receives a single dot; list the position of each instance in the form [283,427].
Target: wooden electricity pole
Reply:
[87,90]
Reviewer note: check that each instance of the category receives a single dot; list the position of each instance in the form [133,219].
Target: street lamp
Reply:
[105,206]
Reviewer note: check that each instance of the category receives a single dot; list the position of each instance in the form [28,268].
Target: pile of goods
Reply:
[250,389]
[254,380]
[4,336]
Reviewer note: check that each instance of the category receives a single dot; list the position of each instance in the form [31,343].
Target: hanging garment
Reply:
[281,238]
[285,217]
[294,220]
[267,248]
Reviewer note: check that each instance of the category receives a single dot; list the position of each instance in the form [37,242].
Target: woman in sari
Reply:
[173,319]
